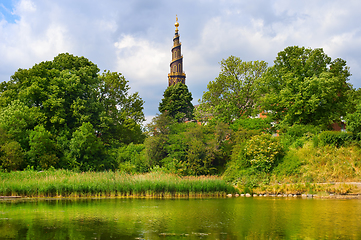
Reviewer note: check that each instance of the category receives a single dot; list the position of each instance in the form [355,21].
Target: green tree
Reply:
[122,111]
[262,124]
[68,91]
[187,148]
[17,120]
[192,147]
[158,131]
[353,122]
[305,87]
[43,149]
[11,152]
[131,158]
[64,90]
[87,151]
[234,92]
[177,102]
[60,96]
[11,156]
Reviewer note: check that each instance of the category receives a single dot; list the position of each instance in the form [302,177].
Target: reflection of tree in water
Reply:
[253,218]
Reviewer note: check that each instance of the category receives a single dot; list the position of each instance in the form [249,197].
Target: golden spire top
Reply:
[176,24]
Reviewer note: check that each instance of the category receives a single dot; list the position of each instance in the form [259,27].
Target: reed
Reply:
[65,183]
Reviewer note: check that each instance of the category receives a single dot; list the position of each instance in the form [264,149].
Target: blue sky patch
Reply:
[6,11]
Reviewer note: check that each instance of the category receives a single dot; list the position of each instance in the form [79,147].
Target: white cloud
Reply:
[136,38]
[144,62]
[24,6]
[148,119]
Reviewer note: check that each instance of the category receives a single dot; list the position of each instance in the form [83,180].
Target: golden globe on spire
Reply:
[176,24]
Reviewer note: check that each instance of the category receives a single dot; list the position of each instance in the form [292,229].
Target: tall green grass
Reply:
[323,164]
[64,183]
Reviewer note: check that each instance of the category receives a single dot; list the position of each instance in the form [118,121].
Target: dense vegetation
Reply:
[64,114]
[255,125]
[177,102]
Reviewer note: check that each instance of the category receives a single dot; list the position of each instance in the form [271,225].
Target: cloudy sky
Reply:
[134,37]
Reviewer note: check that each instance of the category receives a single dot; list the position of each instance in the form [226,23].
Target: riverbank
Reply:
[64,183]
[317,190]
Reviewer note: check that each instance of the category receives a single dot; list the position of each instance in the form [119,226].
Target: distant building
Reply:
[176,74]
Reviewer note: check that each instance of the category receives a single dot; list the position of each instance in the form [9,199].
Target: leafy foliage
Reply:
[297,130]
[353,121]
[263,151]
[297,135]
[86,150]
[53,107]
[17,120]
[131,158]
[234,92]
[177,102]
[43,149]
[305,87]
[262,124]
[122,112]
[11,156]
[336,139]
[186,148]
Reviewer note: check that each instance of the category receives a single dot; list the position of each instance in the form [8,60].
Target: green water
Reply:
[233,218]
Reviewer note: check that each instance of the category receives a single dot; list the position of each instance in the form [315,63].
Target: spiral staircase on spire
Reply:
[176,74]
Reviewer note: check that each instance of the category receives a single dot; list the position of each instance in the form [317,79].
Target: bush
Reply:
[246,179]
[290,165]
[131,158]
[253,155]
[240,138]
[353,121]
[298,130]
[263,152]
[262,124]
[296,135]
[11,156]
[298,143]
[333,138]
[188,148]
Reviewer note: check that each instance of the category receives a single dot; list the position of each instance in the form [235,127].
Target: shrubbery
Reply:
[131,158]
[254,155]
[263,152]
[262,124]
[296,135]
[186,148]
[336,139]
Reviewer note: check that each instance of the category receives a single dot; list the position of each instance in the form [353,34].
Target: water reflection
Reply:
[241,218]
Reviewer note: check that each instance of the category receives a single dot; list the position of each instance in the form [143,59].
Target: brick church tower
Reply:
[176,74]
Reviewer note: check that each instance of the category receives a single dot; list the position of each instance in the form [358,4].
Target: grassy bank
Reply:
[308,169]
[322,189]
[64,183]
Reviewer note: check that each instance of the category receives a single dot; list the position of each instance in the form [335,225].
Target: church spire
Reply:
[176,65]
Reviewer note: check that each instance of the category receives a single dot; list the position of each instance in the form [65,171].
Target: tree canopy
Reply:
[234,92]
[186,148]
[177,102]
[305,87]
[50,106]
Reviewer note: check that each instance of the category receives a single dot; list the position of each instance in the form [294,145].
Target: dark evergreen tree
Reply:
[177,102]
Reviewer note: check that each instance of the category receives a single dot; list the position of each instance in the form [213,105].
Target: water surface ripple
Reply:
[216,218]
